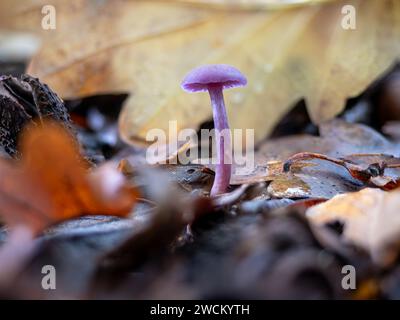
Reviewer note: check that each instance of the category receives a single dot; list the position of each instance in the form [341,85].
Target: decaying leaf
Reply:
[188,177]
[337,138]
[368,168]
[314,180]
[371,220]
[359,144]
[51,182]
[364,153]
[146,53]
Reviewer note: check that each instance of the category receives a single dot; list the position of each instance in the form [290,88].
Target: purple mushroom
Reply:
[214,79]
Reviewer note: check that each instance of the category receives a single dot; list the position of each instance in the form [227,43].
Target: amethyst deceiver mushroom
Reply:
[214,79]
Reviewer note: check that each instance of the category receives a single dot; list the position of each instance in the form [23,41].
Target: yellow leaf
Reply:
[146,47]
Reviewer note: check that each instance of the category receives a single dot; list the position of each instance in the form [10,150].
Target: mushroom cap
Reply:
[200,78]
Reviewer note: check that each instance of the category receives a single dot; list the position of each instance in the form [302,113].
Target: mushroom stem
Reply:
[215,78]
[223,141]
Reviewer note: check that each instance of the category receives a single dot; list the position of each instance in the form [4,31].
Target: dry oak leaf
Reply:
[52,183]
[146,47]
[371,220]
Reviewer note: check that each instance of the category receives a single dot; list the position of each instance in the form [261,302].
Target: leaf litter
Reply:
[73,189]
[212,241]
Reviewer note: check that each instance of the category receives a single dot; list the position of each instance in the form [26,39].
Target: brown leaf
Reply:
[368,168]
[314,180]
[51,183]
[286,55]
[371,220]
[321,179]
[357,143]
[337,138]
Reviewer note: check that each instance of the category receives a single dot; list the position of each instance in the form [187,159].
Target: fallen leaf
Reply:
[368,168]
[337,138]
[370,218]
[146,53]
[189,177]
[52,183]
[314,180]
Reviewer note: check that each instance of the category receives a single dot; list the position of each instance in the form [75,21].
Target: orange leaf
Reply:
[52,182]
